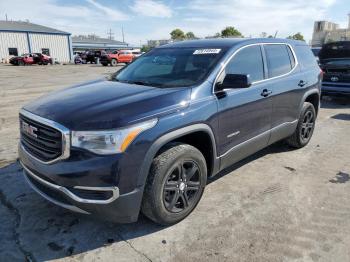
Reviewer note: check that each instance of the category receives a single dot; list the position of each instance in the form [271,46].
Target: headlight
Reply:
[109,141]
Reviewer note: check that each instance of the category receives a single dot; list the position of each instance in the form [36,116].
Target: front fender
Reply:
[163,140]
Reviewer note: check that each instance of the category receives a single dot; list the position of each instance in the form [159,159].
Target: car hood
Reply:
[104,104]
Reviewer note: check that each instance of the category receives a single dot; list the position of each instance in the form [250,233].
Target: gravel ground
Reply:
[19,85]
[278,205]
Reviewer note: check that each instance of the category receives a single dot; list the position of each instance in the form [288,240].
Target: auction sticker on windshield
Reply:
[206,51]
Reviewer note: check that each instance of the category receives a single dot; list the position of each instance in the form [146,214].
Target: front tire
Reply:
[175,184]
[114,62]
[305,128]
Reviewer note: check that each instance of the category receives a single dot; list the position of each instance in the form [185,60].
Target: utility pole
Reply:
[123,34]
[6,16]
[110,34]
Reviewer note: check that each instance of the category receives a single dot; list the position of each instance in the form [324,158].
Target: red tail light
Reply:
[322,73]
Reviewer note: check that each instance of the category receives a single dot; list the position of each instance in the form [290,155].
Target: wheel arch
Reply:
[190,135]
[313,97]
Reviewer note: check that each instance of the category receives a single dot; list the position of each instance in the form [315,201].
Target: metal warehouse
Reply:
[17,38]
[92,42]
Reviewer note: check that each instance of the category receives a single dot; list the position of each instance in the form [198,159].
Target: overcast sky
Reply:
[150,19]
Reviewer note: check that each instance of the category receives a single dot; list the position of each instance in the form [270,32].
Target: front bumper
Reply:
[85,183]
[117,208]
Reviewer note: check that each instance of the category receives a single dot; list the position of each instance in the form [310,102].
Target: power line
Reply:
[110,34]
[123,34]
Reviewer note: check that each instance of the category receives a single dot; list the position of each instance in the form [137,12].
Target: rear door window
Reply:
[248,61]
[278,59]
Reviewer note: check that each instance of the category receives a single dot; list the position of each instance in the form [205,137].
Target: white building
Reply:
[325,31]
[18,38]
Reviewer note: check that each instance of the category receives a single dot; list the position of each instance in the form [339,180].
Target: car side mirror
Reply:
[232,81]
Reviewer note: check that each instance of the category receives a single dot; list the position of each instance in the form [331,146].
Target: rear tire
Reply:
[21,63]
[175,184]
[114,62]
[305,128]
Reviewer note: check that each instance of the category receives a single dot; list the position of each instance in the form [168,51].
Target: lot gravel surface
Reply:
[19,85]
[278,205]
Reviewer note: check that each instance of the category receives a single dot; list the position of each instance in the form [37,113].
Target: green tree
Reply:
[145,48]
[230,31]
[297,36]
[177,34]
[190,35]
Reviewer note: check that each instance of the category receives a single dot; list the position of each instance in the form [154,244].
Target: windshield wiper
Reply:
[142,83]
[139,82]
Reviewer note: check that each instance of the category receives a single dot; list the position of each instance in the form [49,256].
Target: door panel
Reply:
[244,113]
[285,76]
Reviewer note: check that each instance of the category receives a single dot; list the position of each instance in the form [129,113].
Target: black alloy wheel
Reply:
[175,184]
[181,187]
[307,125]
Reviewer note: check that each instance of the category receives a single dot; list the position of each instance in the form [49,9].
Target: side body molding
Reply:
[163,140]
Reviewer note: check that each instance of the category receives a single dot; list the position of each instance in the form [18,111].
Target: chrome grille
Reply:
[43,139]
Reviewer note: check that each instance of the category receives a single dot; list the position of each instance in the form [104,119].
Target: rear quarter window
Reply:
[305,56]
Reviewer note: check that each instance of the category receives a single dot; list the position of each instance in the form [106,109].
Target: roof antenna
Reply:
[276,34]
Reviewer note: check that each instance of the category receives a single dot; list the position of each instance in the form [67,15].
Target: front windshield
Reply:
[171,67]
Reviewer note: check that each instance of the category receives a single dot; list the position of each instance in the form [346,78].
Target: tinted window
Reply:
[172,67]
[278,61]
[13,51]
[45,51]
[338,61]
[291,57]
[248,61]
[305,56]
[335,50]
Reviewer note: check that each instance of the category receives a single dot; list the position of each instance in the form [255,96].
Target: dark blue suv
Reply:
[149,137]
[335,63]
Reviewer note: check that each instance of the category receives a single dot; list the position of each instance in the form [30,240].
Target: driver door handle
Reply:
[266,92]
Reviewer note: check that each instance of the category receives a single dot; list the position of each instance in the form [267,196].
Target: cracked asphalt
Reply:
[277,205]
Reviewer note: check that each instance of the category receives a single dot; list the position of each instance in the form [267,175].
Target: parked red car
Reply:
[30,59]
[121,56]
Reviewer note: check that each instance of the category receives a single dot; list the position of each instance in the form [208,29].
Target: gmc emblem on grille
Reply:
[334,79]
[28,129]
